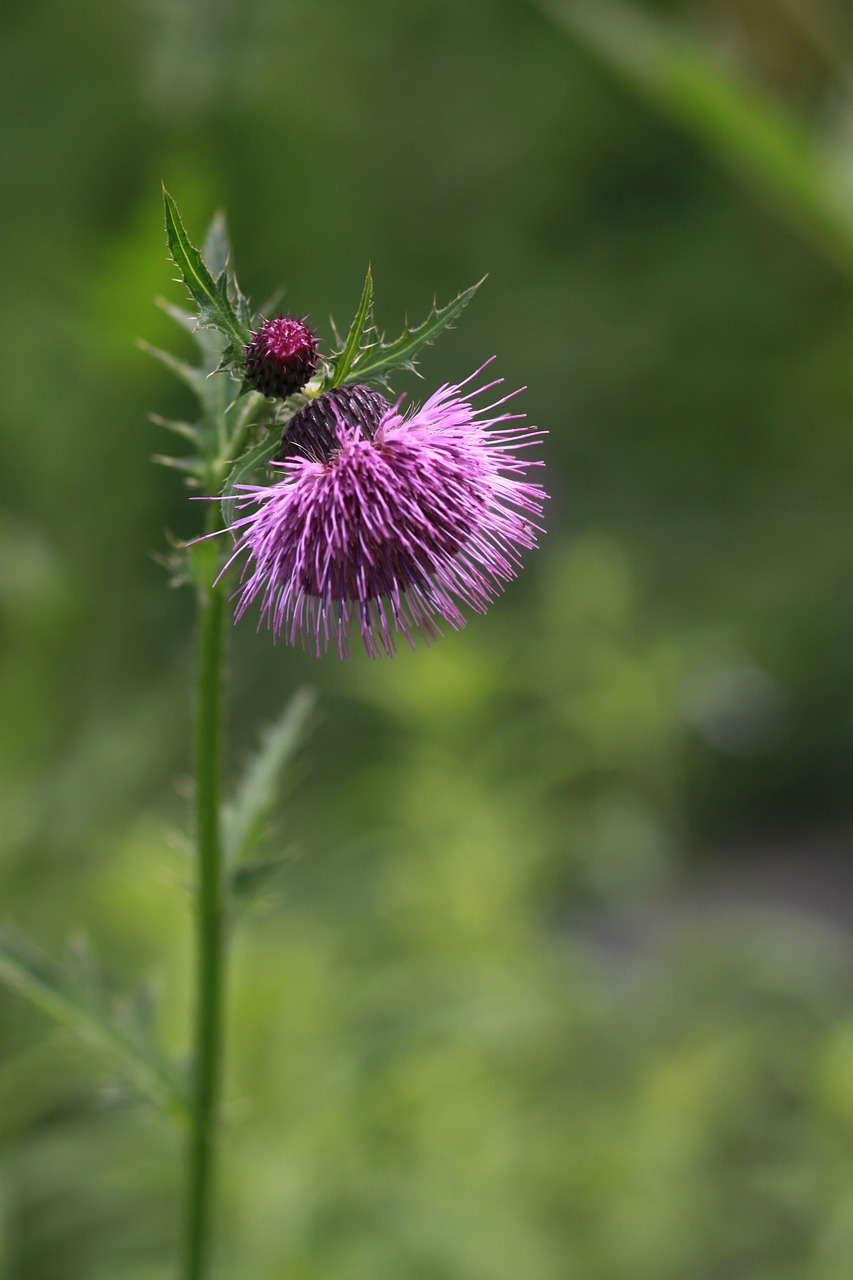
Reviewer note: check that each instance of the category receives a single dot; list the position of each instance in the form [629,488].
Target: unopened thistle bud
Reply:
[313,432]
[281,356]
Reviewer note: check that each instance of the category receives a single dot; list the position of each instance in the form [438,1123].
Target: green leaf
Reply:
[245,817]
[375,362]
[212,297]
[74,997]
[363,319]
[243,470]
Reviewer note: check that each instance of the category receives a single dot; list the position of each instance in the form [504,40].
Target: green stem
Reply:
[210,937]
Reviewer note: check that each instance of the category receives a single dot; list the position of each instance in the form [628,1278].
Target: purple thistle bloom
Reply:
[387,522]
[281,356]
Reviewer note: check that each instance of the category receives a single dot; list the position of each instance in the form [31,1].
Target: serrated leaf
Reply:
[73,997]
[376,362]
[244,818]
[242,470]
[215,310]
[362,320]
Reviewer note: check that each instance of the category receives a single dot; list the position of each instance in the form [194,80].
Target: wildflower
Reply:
[386,521]
[281,356]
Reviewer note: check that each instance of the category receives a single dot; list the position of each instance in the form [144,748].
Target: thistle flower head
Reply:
[281,356]
[386,522]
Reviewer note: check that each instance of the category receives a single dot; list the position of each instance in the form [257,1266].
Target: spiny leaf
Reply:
[363,319]
[74,997]
[241,472]
[375,362]
[215,309]
[244,818]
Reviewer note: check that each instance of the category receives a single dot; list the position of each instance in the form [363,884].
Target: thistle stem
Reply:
[209,938]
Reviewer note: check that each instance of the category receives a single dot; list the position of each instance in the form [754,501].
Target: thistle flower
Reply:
[281,356]
[387,521]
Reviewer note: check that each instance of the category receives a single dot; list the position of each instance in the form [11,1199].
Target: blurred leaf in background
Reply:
[555,977]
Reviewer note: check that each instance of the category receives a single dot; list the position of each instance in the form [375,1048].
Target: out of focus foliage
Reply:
[556,981]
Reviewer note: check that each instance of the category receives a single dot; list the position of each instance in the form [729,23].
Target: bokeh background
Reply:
[558,980]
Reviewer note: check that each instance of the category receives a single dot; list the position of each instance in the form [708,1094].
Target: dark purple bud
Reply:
[313,432]
[281,356]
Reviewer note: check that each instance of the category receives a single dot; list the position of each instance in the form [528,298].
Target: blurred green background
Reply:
[558,982]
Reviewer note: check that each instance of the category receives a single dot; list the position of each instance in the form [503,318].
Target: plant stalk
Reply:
[209,938]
